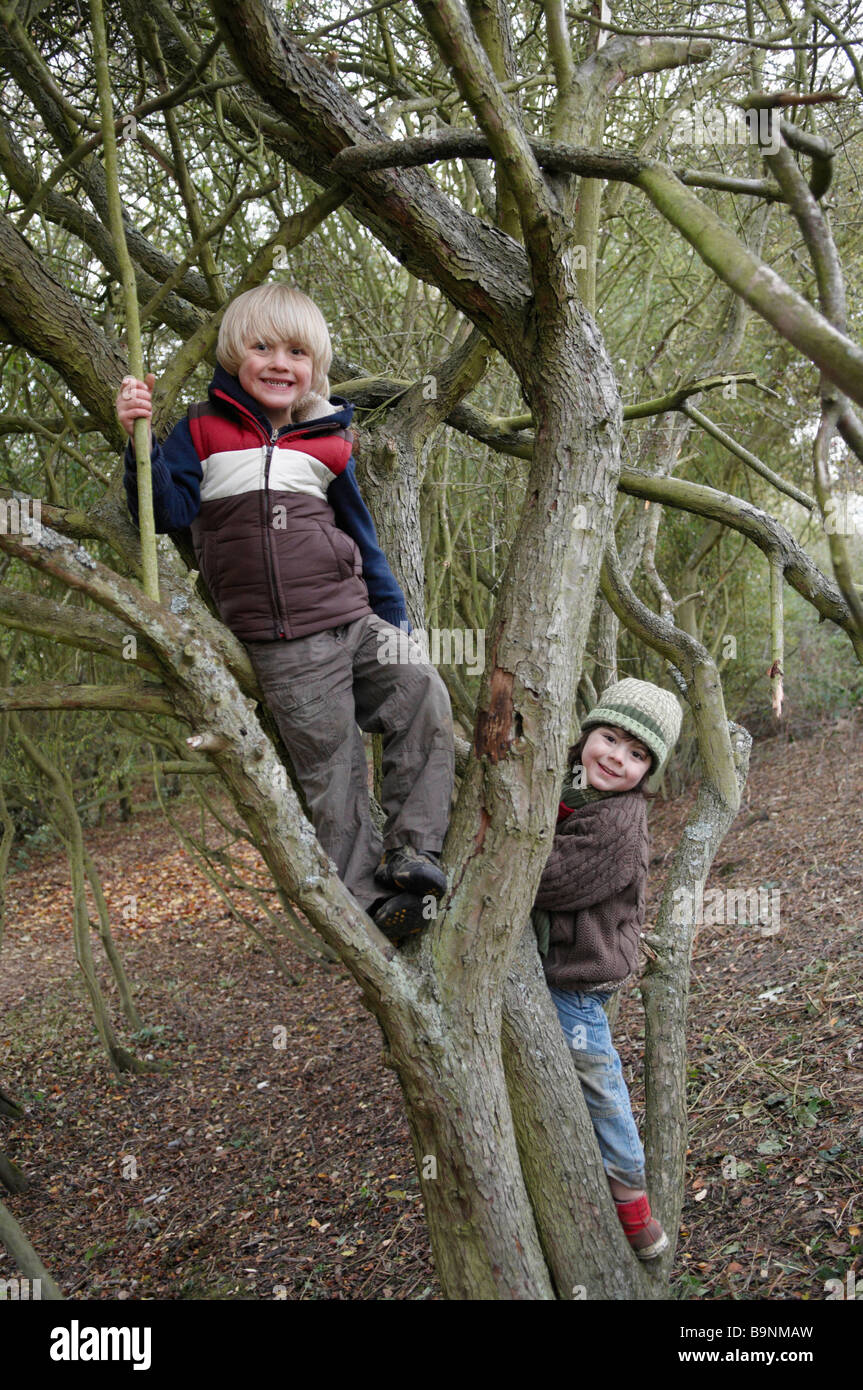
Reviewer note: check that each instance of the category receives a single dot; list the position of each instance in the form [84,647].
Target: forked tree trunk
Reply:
[515,1195]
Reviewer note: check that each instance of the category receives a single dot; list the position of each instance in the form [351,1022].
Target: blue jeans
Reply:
[588,1036]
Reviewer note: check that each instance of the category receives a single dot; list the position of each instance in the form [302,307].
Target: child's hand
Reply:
[135,402]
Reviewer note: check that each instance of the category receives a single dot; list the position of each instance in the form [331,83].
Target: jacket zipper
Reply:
[271,444]
[323,428]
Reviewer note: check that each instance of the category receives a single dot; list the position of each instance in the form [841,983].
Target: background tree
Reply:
[503,269]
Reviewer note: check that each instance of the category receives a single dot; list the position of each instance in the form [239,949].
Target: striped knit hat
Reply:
[646,711]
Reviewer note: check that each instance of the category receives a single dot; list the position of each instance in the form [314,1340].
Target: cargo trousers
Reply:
[323,689]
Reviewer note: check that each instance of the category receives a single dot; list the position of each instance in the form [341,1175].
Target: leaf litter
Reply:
[272,1160]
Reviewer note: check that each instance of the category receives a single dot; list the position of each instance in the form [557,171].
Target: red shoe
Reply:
[642,1230]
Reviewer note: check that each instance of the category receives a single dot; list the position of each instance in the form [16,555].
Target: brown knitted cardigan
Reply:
[593,886]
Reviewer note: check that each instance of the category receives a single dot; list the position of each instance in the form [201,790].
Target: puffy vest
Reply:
[266,539]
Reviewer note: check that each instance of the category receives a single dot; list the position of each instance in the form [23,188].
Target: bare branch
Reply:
[49,323]
[746,456]
[851,429]
[206,696]
[66,212]
[478,267]
[552,155]
[774,41]
[457,43]
[844,40]
[771,101]
[149,699]
[758,526]
[87,147]
[792,316]
[141,434]
[73,626]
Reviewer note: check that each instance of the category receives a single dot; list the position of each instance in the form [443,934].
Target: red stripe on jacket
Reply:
[213,433]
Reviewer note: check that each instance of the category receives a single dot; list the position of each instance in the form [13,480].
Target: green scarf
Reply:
[574,797]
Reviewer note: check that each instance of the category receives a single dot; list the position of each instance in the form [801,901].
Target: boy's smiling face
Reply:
[277,376]
[613,760]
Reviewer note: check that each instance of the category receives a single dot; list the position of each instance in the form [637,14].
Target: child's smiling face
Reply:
[613,760]
[277,376]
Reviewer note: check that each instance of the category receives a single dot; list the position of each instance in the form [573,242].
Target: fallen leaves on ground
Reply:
[272,1160]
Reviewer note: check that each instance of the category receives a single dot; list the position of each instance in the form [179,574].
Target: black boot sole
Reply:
[401,917]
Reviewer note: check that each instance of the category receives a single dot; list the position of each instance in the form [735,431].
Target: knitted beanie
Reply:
[644,710]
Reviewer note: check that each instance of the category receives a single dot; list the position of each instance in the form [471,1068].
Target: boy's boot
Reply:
[641,1229]
[402,916]
[412,871]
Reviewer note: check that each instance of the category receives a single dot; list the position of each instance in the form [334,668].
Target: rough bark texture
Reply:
[480,269]
[41,313]
[516,1199]
[665,988]
[557,1146]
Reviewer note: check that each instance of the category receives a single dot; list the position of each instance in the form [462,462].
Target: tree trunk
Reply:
[25,1257]
[581,1235]
[11,1176]
[517,1202]
[70,827]
[109,946]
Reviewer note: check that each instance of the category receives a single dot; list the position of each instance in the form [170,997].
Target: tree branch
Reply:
[25,1257]
[49,323]
[758,526]
[73,626]
[457,43]
[148,698]
[851,429]
[206,696]
[751,460]
[679,395]
[734,512]
[774,41]
[479,268]
[552,155]
[87,147]
[67,213]
[141,434]
[759,285]
[831,296]
[108,521]
[64,129]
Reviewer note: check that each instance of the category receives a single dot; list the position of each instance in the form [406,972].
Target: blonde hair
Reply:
[276,314]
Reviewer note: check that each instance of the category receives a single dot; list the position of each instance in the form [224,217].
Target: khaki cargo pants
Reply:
[320,689]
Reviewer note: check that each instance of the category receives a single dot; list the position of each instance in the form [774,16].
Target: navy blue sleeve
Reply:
[177,475]
[353,517]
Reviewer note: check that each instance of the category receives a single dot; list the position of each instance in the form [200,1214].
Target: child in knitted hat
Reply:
[589,912]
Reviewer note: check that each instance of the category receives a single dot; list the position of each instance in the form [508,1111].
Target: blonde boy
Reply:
[262,473]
